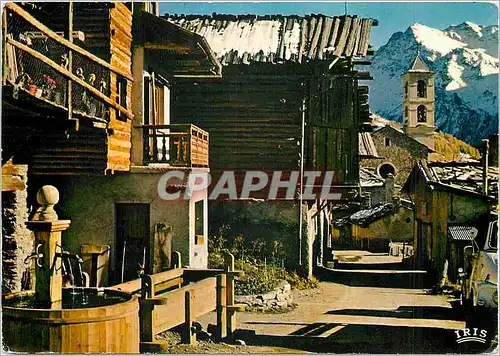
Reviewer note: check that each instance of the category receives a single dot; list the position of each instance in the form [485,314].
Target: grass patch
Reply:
[262,278]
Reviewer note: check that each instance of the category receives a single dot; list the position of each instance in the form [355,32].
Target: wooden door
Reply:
[424,245]
[132,241]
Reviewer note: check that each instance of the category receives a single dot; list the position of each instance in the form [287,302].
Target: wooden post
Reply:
[69,37]
[188,336]
[231,313]
[221,307]
[146,320]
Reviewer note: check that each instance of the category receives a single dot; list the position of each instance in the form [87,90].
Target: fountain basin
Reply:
[106,322]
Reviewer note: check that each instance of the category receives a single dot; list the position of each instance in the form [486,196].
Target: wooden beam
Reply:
[146,321]
[221,308]
[4,49]
[167,47]
[189,337]
[231,313]
[51,34]
[69,88]
[79,35]
[69,75]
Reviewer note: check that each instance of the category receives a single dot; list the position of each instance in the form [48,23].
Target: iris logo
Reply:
[474,334]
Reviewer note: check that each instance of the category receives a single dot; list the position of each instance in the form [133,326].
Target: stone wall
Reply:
[17,241]
[279,298]
[403,152]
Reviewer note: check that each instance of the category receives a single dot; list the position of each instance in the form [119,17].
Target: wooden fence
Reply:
[179,296]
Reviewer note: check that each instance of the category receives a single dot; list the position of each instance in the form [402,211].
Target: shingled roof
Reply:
[366,146]
[368,178]
[280,39]
[460,177]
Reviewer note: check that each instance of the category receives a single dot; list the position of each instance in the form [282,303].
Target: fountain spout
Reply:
[35,255]
[66,254]
[66,259]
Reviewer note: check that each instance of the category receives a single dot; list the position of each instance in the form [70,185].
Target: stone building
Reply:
[398,153]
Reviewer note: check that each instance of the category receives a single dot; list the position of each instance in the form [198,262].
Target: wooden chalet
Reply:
[289,97]
[66,99]
[86,108]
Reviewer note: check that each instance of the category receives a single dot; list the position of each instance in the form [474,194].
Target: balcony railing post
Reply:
[155,145]
[189,147]
[164,147]
[145,137]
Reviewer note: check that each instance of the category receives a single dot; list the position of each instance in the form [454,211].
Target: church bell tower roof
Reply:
[418,65]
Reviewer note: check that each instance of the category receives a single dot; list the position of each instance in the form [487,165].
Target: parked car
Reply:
[479,277]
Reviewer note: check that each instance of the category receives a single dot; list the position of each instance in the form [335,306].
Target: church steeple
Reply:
[418,102]
[418,65]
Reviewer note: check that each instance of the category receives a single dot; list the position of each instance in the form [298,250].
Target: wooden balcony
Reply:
[175,145]
[45,72]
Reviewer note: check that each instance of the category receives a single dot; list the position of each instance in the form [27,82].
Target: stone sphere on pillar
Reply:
[47,196]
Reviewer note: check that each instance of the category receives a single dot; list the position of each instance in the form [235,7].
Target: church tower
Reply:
[418,102]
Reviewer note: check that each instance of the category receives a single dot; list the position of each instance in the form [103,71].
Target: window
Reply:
[199,222]
[421,89]
[385,169]
[406,89]
[421,114]
[387,142]
[156,100]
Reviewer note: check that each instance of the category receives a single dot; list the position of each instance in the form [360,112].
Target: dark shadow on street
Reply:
[409,280]
[440,313]
[368,339]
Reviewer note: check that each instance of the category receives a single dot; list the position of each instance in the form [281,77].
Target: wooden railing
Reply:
[180,295]
[177,145]
[39,62]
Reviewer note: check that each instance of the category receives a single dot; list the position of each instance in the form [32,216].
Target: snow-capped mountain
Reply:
[465,60]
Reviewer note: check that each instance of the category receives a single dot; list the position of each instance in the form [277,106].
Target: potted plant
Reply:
[48,87]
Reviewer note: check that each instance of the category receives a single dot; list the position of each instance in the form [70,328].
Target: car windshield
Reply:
[493,243]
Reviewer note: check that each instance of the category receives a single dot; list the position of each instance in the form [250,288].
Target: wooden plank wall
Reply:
[119,142]
[82,152]
[334,127]
[254,120]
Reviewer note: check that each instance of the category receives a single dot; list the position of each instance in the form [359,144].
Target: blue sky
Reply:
[392,16]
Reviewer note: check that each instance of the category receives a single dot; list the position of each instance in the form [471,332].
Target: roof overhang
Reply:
[174,51]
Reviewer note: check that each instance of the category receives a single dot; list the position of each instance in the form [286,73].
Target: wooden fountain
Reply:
[41,321]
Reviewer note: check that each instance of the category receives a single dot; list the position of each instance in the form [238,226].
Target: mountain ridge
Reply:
[464,58]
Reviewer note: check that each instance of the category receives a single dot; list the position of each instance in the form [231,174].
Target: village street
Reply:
[357,310]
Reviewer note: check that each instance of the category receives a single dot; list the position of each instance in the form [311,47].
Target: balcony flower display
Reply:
[49,86]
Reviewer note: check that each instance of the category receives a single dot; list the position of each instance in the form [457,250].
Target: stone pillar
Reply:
[48,230]
[17,240]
